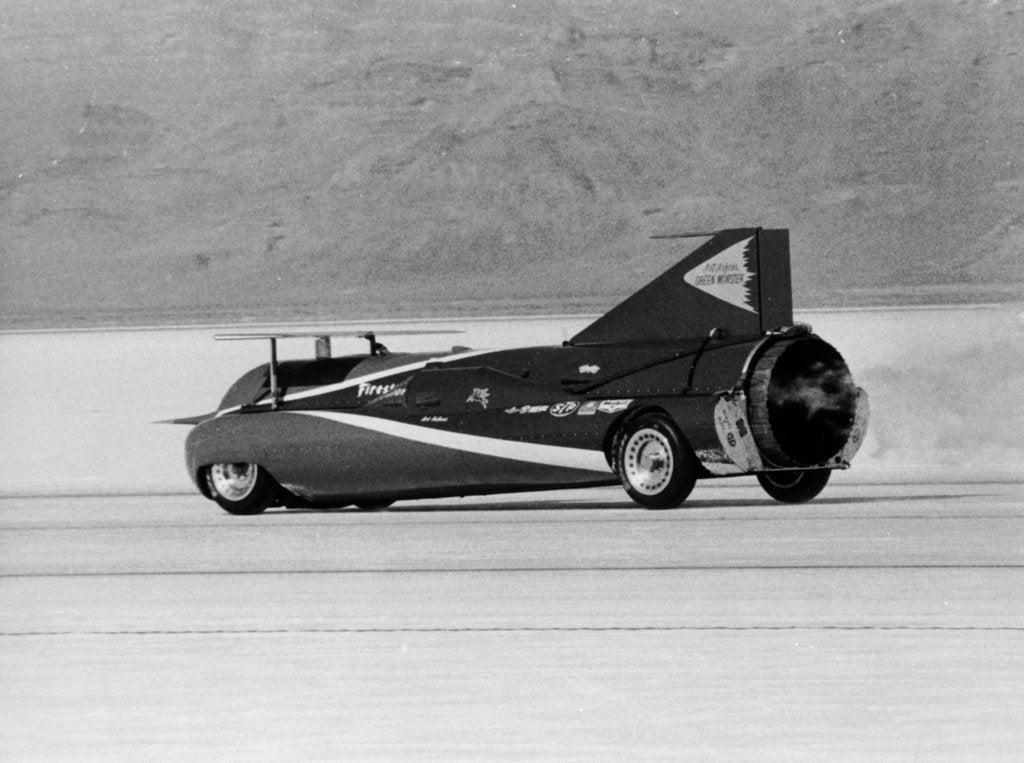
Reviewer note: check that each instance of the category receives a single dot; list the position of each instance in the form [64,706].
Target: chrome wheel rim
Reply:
[233,481]
[648,461]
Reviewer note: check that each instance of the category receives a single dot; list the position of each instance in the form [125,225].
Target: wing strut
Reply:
[322,347]
[275,388]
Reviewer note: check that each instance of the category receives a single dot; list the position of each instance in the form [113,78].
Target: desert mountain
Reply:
[189,160]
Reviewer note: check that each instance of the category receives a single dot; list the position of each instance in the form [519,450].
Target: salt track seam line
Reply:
[515,629]
[483,570]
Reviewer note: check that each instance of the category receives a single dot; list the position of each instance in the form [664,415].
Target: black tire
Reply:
[656,464]
[291,501]
[241,488]
[794,486]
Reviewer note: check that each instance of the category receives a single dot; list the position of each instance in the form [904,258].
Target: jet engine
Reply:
[802,402]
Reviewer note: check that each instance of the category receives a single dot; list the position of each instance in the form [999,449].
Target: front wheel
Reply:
[657,466]
[794,486]
[374,505]
[241,488]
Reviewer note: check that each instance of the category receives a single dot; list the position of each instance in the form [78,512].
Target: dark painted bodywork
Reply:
[337,430]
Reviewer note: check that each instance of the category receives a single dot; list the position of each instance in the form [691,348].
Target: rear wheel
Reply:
[241,488]
[794,486]
[655,463]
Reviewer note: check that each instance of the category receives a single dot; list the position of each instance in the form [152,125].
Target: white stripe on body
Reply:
[534,453]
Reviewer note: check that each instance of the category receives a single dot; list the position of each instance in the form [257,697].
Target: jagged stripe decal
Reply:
[534,453]
[727,276]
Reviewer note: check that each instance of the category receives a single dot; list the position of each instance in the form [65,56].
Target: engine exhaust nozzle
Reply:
[803,402]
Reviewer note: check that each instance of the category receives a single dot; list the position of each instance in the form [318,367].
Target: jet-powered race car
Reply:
[702,373]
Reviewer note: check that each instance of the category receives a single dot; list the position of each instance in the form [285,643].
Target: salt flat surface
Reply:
[78,408]
[877,622]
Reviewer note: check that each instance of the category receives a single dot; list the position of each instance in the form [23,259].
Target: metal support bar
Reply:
[323,348]
[716,333]
[275,392]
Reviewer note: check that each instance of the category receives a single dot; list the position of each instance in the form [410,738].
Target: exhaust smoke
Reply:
[803,402]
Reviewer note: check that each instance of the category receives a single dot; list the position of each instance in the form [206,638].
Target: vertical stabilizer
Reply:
[739,281]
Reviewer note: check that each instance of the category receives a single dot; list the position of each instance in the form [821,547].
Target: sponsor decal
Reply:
[395,396]
[564,409]
[613,406]
[434,420]
[366,389]
[589,408]
[734,434]
[588,369]
[481,396]
[527,409]
[727,276]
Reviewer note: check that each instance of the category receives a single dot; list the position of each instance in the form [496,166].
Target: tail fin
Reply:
[738,281]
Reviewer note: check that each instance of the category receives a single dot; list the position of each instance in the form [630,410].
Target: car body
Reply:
[702,373]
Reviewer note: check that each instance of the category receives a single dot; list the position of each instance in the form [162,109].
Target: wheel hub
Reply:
[233,481]
[648,461]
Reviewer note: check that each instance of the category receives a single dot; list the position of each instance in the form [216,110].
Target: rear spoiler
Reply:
[322,347]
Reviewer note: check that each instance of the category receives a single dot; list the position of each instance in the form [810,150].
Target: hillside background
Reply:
[221,160]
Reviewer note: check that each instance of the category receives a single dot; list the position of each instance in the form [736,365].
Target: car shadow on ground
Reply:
[425,507]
